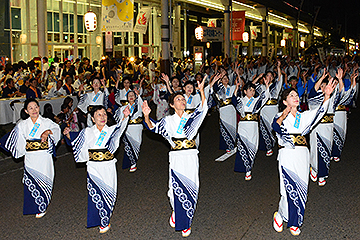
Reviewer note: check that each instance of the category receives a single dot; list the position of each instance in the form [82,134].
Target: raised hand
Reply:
[146,109]
[126,111]
[339,73]
[165,77]
[330,87]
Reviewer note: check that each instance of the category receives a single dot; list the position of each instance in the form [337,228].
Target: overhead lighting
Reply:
[283,43]
[245,36]
[199,33]
[90,21]
[277,16]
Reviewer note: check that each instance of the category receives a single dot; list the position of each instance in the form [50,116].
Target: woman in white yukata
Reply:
[267,113]
[340,120]
[291,126]
[321,137]
[160,98]
[179,130]
[247,137]
[96,146]
[120,94]
[224,92]
[133,135]
[94,98]
[35,138]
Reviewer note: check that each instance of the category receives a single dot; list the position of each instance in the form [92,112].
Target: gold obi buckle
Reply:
[189,111]
[327,118]
[100,155]
[124,102]
[272,102]
[340,108]
[225,102]
[250,117]
[136,121]
[35,145]
[298,140]
[183,143]
[90,108]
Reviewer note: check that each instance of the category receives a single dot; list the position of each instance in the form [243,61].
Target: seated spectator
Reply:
[10,90]
[57,90]
[33,91]
[67,87]
[48,113]
[25,86]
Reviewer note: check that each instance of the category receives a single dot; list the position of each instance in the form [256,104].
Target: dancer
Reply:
[268,112]
[35,138]
[94,98]
[247,136]
[224,93]
[291,127]
[179,130]
[133,134]
[96,146]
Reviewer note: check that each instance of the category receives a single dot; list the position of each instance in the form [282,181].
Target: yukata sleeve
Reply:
[261,100]
[278,85]
[14,142]
[159,127]
[312,117]
[83,103]
[118,115]
[106,98]
[282,133]
[315,98]
[156,95]
[195,120]
[79,146]
[239,105]
[117,131]
[347,96]
[53,138]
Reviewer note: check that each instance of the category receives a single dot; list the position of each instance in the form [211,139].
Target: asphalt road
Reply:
[228,206]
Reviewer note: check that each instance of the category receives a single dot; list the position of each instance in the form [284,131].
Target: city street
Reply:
[228,206]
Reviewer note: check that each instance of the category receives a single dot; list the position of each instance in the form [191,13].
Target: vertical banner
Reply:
[253,32]
[117,15]
[238,25]
[142,20]
[108,42]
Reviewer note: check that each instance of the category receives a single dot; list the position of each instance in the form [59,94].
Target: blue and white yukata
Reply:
[227,116]
[38,162]
[121,96]
[321,137]
[93,99]
[132,138]
[159,98]
[267,113]
[247,136]
[294,162]
[184,162]
[101,174]
[340,121]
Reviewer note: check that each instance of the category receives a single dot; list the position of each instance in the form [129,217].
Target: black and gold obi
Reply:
[190,111]
[35,145]
[183,144]
[272,101]
[327,118]
[298,140]
[136,121]
[250,117]
[340,108]
[100,155]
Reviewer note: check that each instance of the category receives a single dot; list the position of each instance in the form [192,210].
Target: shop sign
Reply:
[213,34]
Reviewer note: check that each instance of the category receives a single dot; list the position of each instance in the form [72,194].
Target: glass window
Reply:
[80,23]
[56,22]
[71,23]
[16,18]
[65,6]
[49,21]
[66,22]
[56,37]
